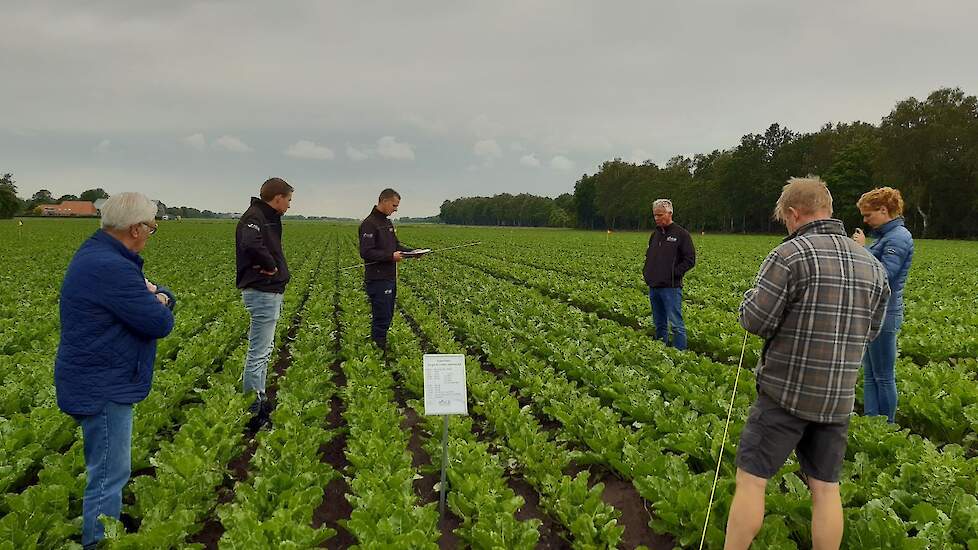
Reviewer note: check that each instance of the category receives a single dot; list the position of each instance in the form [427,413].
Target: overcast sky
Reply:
[197,103]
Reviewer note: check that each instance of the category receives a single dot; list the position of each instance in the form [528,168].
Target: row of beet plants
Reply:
[36,260]
[611,439]
[172,504]
[709,330]
[936,326]
[950,417]
[275,505]
[48,512]
[696,433]
[478,493]
[904,479]
[386,510]
[575,503]
[34,427]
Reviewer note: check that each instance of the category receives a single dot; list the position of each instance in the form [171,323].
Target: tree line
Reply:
[505,209]
[928,149]
[12,205]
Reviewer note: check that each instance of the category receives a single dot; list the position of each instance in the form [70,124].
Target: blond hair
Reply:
[807,195]
[880,197]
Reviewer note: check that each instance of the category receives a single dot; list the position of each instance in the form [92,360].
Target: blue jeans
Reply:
[108,447]
[265,308]
[879,377]
[667,309]
[382,295]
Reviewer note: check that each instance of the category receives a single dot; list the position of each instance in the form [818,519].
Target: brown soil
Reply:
[634,510]
[425,487]
[618,493]
[335,507]
[239,467]
[552,534]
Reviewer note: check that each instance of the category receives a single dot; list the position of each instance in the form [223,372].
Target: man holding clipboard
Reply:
[381,251]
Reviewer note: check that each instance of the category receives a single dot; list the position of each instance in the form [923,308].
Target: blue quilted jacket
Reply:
[109,326]
[894,249]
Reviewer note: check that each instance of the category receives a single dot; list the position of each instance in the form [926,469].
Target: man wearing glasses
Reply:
[111,317]
[262,276]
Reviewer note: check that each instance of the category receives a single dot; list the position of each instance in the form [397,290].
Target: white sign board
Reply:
[444,384]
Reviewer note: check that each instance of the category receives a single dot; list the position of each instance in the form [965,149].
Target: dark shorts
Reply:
[771,433]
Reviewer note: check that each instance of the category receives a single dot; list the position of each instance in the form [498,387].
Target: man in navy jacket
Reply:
[381,251]
[111,317]
[669,256]
[262,274]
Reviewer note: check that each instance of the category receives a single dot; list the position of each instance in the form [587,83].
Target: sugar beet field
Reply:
[583,431]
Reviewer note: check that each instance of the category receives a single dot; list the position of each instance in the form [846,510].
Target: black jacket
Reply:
[259,247]
[378,241]
[669,256]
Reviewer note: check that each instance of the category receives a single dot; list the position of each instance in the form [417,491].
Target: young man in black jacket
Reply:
[262,276]
[669,256]
[381,251]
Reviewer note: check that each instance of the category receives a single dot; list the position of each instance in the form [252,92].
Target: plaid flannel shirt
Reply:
[819,299]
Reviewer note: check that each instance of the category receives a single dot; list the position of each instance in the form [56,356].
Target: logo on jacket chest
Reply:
[671,239]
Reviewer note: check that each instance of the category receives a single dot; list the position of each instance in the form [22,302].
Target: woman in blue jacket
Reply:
[882,211]
[111,317]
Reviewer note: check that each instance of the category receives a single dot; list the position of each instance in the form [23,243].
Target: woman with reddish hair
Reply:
[882,211]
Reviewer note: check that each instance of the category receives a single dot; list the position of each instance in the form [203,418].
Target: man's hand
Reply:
[398,256]
[859,237]
[163,298]
[266,272]
[150,286]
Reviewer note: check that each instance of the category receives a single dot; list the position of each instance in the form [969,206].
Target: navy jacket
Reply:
[894,249]
[669,256]
[258,247]
[378,242]
[109,326]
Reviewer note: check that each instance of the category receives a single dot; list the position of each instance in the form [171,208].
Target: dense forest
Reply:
[928,149]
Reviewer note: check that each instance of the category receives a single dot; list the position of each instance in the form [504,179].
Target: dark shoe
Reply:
[256,405]
[260,410]
[381,344]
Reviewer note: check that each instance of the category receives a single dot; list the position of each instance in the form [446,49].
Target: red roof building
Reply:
[70,208]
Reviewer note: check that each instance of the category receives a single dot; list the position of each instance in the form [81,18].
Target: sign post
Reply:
[444,394]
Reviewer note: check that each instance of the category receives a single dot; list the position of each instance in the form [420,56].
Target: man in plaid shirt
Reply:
[819,299]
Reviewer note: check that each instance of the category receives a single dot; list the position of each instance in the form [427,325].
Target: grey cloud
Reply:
[305,149]
[530,160]
[388,147]
[356,154]
[560,162]
[197,141]
[232,144]
[488,149]
[582,82]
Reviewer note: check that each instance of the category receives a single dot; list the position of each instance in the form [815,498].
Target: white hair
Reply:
[665,204]
[126,209]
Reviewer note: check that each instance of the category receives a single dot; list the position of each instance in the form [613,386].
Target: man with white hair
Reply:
[669,256]
[819,298]
[111,317]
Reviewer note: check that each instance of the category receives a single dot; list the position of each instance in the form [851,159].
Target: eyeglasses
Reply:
[152,228]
